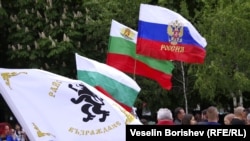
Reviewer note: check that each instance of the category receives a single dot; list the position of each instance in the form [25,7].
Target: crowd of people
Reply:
[209,116]
[8,133]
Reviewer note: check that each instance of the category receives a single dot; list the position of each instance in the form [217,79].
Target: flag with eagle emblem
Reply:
[166,35]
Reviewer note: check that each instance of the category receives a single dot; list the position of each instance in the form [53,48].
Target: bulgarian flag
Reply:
[103,91]
[165,34]
[109,79]
[122,55]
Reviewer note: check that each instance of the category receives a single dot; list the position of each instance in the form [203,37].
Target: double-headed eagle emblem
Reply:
[175,32]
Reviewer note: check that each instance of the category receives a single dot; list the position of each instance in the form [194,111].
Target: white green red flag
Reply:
[122,55]
[118,84]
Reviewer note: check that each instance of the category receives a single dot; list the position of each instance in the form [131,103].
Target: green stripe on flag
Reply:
[123,46]
[117,89]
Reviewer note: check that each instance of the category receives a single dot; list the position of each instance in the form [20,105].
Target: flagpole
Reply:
[184,87]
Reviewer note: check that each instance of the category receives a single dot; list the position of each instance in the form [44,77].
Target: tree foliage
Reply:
[226,70]
[46,34]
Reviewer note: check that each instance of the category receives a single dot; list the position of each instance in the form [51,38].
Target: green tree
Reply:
[226,71]
[46,34]
[3,33]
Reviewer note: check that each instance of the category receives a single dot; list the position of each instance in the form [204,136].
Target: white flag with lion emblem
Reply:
[51,107]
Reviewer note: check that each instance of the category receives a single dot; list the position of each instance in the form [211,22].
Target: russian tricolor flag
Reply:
[166,35]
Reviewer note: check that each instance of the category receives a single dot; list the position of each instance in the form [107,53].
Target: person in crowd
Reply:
[13,134]
[20,134]
[239,116]
[228,118]
[197,117]
[5,132]
[246,111]
[248,119]
[144,121]
[203,117]
[212,116]
[179,113]
[188,119]
[164,117]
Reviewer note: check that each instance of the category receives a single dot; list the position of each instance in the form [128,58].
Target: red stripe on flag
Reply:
[166,51]
[139,68]
[121,62]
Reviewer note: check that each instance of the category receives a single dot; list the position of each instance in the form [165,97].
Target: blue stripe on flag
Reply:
[158,32]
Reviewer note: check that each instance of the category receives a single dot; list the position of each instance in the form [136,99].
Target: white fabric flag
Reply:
[51,107]
[122,87]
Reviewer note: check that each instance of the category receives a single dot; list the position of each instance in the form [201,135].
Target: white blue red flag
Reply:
[166,35]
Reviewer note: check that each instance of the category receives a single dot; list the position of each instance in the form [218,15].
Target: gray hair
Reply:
[238,110]
[164,113]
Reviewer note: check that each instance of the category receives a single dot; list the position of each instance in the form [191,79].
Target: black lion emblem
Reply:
[93,101]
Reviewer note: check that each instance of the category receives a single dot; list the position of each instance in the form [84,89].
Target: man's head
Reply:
[204,114]
[212,114]
[164,113]
[248,119]
[179,113]
[239,112]
[228,118]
